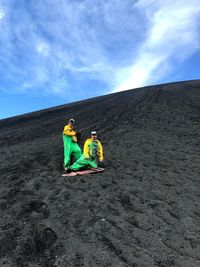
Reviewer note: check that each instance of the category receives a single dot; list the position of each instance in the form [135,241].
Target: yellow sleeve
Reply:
[100,150]
[86,148]
[68,131]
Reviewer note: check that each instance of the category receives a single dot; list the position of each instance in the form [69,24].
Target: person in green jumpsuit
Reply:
[92,150]
[70,143]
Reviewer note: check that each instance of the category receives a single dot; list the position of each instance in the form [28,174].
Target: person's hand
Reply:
[74,139]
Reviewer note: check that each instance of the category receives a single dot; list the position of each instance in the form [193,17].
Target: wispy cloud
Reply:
[172,37]
[78,49]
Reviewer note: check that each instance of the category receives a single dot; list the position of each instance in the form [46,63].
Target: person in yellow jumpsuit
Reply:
[92,151]
[70,143]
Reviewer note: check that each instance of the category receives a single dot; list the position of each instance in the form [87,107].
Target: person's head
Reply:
[94,135]
[72,122]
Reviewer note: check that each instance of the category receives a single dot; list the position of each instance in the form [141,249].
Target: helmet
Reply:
[93,133]
[72,120]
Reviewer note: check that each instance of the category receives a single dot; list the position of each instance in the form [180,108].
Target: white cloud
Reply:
[43,48]
[57,45]
[139,73]
[2,14]
[173,34]
[74,39]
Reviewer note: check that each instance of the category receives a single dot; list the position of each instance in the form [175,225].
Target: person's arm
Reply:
[86,149]
[100,151]
[68,131]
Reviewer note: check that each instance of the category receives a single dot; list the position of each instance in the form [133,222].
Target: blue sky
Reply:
[59,51]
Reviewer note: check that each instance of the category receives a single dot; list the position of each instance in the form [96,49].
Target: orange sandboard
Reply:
[84,172]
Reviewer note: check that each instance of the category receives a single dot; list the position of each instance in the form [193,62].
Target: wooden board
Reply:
[83,172]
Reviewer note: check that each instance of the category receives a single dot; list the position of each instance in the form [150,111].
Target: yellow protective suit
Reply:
[92,150]
[70,145]
[88,151]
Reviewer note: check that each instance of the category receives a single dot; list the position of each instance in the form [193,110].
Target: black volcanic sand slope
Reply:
[143,211]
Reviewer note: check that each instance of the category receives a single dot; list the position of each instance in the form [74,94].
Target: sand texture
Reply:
[143,211]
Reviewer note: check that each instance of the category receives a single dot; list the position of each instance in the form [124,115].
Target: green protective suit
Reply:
[70,148]
[90,162]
